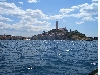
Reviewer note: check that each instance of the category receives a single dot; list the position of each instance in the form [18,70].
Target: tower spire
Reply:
[56,25]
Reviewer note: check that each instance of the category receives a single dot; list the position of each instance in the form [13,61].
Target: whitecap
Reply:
[93,63]
[29,68]
[67,50]
[58,54]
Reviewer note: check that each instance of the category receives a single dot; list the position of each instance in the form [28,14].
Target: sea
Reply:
[48,57]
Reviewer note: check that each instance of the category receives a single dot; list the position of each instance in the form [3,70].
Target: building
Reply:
[56,25]
[70,30]
[61,28]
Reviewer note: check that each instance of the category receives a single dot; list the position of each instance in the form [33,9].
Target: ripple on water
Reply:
[42,57]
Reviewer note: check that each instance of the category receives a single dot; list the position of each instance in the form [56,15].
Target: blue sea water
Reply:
[45,57]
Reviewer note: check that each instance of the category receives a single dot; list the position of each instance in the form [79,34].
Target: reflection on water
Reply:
[42,57]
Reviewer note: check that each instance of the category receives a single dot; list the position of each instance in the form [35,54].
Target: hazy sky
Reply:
[30,17]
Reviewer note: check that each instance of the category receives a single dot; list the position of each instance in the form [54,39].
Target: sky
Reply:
[32,17]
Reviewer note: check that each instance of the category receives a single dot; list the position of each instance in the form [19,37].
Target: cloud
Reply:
[4,19]
[20,2]
[96,18]
[33,20]
[88,19]
[85,12]
[64,21]
[26,26]
[80,15]
[33,25]
[4,25]
[65,10]
[68,10]
[75,7]
[81,22]
[29,20]
[59,16]
[11,9]
[94,0]
[36,14]
[91,9]
[32,1]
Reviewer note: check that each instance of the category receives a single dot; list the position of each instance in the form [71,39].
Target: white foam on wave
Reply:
[58,54]
[67,50]
[93,63]
[29,68]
